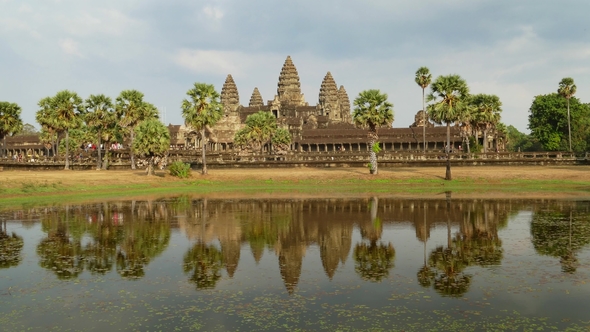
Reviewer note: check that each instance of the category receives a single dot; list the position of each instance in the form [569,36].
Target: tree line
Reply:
[557,121]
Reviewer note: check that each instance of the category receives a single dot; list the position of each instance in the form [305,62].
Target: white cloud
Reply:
[213,12]
[70,46]
[208,61]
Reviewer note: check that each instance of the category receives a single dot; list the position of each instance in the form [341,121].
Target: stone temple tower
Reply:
[289,90]
[230,98]
[256,99]
[329,104]
[344,105]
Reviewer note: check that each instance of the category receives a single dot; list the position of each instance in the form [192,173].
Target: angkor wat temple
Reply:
[327,126]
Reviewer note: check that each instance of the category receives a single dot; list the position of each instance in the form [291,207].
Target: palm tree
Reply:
[63,111]
[567,89]
[423,79]
[260,128]
[372,110]
[450,96]
[487,109]
[100,115]
[203,109]
[45,118]
[152,139]
[132,110]
[10,122]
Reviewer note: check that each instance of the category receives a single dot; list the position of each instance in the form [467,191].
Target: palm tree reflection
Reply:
[10,248]
[373,260]
[203,263]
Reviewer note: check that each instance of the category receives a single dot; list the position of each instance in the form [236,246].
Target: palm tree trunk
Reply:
[423,122]
[569,129]
[203,151]
[448,173]
[150,167]
[372,155]
[99,155]
[485,140]
[106,156]
[3,154]
[132,136]
[67,149]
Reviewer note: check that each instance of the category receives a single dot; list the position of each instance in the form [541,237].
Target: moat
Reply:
[183,263]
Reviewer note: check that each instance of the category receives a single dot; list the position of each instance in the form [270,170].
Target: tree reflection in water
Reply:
[561,234]
[204,263]
[59,251]
[10,248]
[373,261]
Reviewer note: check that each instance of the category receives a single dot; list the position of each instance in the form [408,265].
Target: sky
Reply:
[514,49]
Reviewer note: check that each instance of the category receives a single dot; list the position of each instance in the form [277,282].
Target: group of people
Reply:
[92,146]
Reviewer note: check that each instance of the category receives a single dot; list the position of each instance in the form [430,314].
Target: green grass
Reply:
[43,193]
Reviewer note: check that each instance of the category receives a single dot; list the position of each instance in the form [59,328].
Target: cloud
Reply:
[213,12]
[208,61]
[70,47]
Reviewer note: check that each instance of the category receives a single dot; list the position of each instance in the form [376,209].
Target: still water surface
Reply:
[336,264]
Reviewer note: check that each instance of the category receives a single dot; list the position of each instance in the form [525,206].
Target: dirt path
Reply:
[491,173]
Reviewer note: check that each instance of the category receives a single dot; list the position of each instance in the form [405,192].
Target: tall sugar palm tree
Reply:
[131,110]
[45,118]
[567,89]
[423,79]
[64,112]
[372,110]
[152,139]
[487,109]
[10,122]
[202,109]
[100,115]
[450,95]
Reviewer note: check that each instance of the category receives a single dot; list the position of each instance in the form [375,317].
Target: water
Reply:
[334,264]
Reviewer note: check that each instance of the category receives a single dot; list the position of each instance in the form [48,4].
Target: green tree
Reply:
[548,122]
[372,110]
[260,128]
[99,117]
[518,141]
[281,140]
[152,140]
[567,89]
[450,95]
[486,111]
[423,79]
[61,113]
[131,110]
[10,122]
[202,109]
[28,129]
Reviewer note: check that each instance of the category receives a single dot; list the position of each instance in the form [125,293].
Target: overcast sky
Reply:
[514,49]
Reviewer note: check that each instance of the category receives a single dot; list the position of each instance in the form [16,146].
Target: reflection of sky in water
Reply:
[525,288]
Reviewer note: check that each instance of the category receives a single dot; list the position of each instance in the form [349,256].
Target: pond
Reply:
[187,263]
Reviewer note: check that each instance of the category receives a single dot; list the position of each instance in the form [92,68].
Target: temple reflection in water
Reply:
[127,236]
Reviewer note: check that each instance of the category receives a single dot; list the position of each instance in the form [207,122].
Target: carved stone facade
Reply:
[327,126]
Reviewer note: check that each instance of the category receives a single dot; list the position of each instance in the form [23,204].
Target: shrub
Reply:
[180,169]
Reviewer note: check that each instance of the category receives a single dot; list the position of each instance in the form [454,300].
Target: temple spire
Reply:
[256,99]
[344,105]
[328,99]
[230,98]
[289,87]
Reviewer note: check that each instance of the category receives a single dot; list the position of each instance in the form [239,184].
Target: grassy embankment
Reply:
[18,189]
